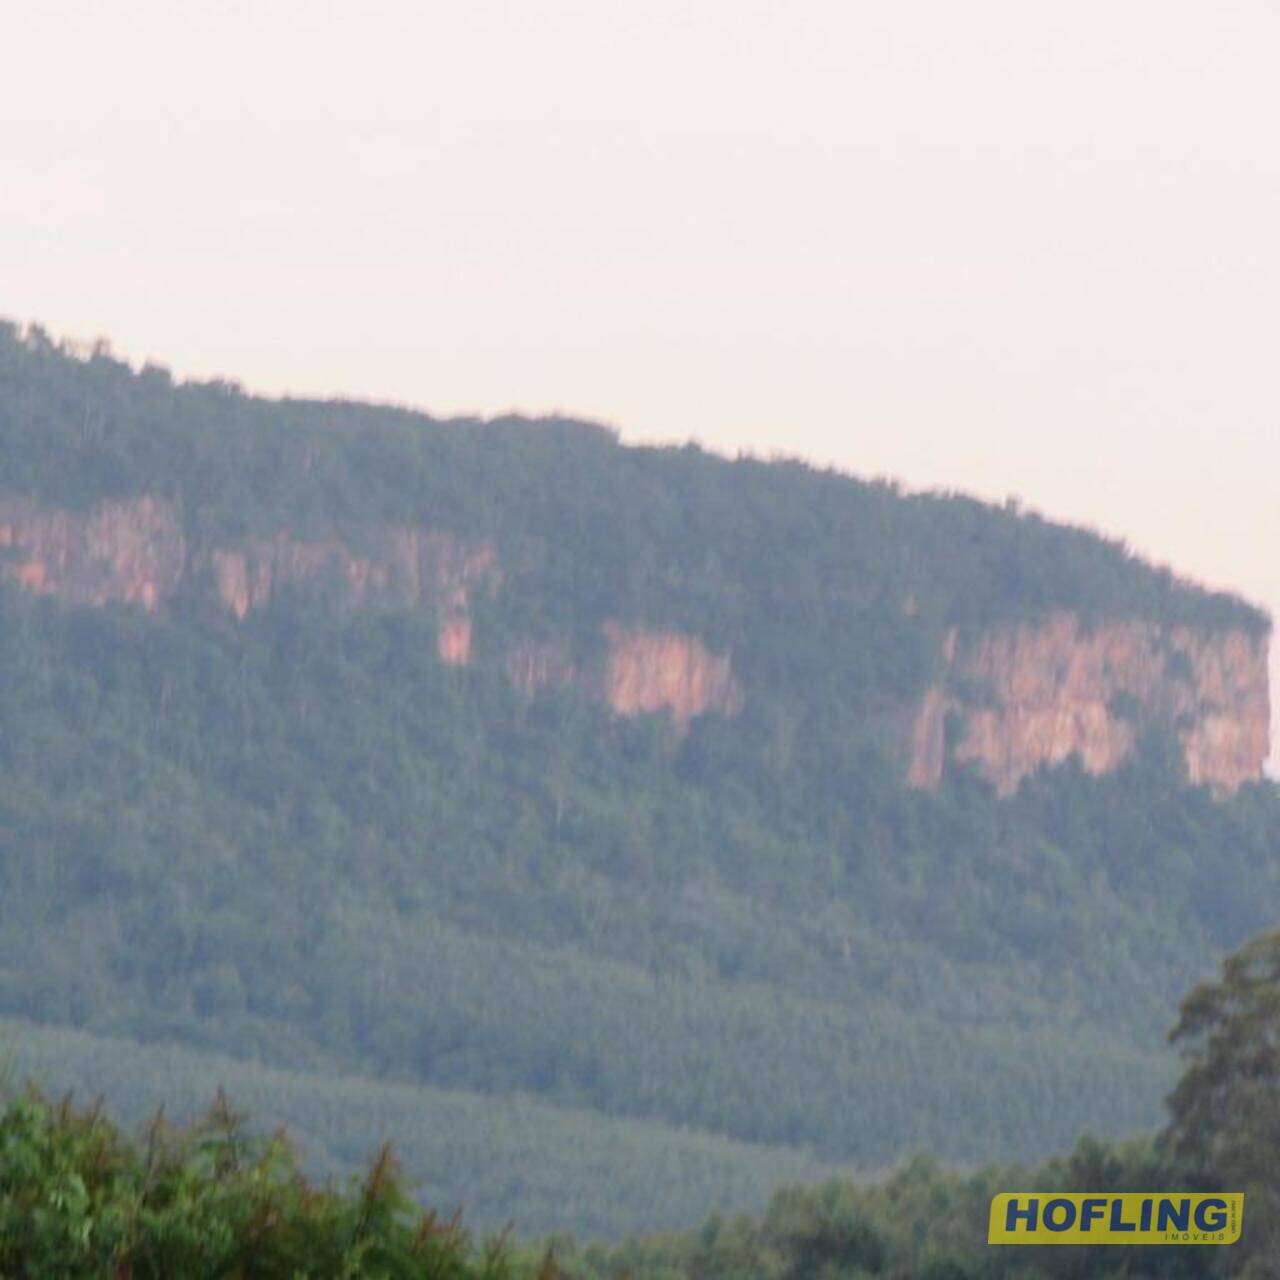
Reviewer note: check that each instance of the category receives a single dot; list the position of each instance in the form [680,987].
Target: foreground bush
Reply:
[78,1198]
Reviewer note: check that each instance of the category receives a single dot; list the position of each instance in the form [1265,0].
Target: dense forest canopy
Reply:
[302,840]
[718,546]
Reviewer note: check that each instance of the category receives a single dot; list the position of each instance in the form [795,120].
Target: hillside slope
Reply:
[498,756]
[500,1160]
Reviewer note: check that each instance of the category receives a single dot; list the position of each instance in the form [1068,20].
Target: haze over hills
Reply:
[815,819]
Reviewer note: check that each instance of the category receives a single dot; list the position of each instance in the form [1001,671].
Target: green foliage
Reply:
[778,562]
[926,1221]
[512,1159]
[922,1222]
[77,1199]
[1226,1107]
[1225,1111]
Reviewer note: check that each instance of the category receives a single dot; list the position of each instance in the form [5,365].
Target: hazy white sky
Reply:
[1004,246]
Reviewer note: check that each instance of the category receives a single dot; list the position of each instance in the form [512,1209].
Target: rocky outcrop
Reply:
[1019,697]
[430,565]
[404,565]
[453,642]
[135,551]
[131,552]
[649,671]
[1034,695]
[1229,739]
[644,671]
[927,747]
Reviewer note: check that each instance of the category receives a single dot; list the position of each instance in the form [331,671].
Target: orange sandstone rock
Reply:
[1036,694]
[132,551]
[404,565]
[453,644]
[666,670]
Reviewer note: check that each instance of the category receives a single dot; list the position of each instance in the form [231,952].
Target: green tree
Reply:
[1225,1111]
[77,1199]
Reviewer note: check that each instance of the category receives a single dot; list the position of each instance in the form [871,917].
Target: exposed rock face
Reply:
[644,671]
[928,739]
[432,565]
[453,643]
[1230,739]
[666,670]
[1026,696]
[405,566]
[135,552]
[132,551]
[1033,695]
[239,588]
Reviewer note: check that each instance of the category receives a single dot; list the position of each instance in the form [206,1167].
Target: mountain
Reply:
[818,819]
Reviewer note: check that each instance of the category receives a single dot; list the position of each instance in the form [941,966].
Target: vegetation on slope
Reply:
[419,877]
[501,1160]
[925,1222]
[303,841]
[77,1199]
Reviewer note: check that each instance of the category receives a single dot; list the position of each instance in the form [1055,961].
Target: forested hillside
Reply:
[79,1198]
[642,783]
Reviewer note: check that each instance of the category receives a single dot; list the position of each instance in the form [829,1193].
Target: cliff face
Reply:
[132,552]
[644,671]
[667,670]
[135,552]
[1024,696]
[404,566]
[1029,696]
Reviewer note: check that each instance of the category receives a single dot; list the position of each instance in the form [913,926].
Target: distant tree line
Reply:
[925,1222]
[77,1198]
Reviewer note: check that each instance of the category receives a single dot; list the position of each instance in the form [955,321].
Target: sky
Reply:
[1005,247]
